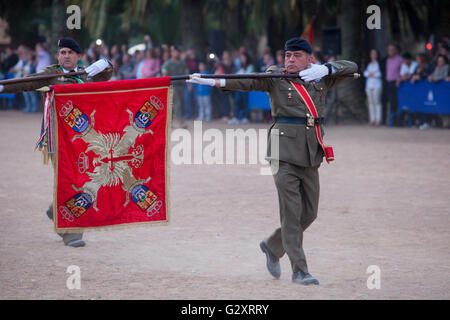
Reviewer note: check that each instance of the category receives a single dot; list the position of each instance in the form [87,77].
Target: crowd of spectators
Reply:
[20,63]
[149,60]
[384,77]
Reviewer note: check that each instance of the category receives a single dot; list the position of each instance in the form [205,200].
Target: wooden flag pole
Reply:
[249,76]
[173,78]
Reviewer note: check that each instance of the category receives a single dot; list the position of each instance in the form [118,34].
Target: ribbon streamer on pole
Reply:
[45,142]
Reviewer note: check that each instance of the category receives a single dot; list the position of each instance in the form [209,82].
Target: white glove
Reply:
[97,67]
[207,82]
[2,87]
[314,72]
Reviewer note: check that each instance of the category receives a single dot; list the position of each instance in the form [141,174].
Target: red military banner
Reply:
[111,157]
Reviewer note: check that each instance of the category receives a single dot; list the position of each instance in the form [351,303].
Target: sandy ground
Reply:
[384,201]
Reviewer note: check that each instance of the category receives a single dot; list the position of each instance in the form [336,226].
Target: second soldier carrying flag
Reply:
[68,55]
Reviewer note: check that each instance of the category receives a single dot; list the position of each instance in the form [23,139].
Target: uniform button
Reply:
[307,128]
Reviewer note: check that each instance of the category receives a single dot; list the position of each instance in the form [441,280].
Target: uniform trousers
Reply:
[298,193]
[67,237]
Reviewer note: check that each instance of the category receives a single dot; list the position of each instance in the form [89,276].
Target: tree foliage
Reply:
[243,21]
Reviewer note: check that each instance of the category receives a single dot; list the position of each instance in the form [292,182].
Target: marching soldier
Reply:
[297,108]
[69,53]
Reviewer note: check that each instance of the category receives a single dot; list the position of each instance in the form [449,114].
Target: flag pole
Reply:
[174,78]
[41,77]
[250,76]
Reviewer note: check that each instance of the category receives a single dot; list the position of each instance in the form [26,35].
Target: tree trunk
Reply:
[192,25]
[352,25]
[58,25]
[299,28]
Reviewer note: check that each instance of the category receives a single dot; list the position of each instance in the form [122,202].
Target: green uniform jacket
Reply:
[297,143]
[105,75]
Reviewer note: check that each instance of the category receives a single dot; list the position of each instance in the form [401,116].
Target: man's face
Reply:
[296,61]
[68,59]
[392,51]
[175,54]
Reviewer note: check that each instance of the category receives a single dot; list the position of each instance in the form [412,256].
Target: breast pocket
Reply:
[320,91]
[290,97]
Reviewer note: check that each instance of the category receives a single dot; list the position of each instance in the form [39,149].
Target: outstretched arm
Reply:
[341,70]
[244,84]
[27,85]
[101,70]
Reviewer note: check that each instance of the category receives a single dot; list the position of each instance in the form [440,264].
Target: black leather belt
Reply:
[309,121]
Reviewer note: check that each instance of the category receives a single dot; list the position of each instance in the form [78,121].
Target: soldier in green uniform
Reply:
[69,53]
[300,151]
[175,66]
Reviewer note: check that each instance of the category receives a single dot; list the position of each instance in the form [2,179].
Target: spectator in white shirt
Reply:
[408,67]
[374,88]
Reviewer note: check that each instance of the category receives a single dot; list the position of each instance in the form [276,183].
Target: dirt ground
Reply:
[385,201]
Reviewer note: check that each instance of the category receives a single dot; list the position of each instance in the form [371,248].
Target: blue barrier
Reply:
[424,97]
[258,100]
[11,97]
[421,97]
[7,95]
